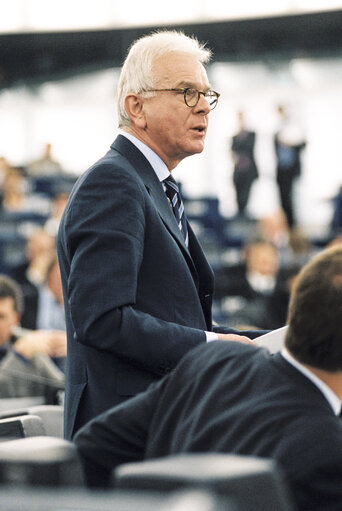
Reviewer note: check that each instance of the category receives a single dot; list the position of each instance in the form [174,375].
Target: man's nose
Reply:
[203,105]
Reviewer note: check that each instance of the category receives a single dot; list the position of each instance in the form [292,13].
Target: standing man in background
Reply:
[288,143]
[245,169]
[137,286]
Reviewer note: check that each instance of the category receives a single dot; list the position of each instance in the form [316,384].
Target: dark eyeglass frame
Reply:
[207,94]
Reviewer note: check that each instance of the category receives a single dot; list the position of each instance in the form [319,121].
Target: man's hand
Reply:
[235,337]
[48,342]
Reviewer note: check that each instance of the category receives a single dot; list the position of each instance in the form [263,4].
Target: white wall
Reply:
[78,116]
[19,15]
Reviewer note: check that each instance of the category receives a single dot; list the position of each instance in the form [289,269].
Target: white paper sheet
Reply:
[273,341]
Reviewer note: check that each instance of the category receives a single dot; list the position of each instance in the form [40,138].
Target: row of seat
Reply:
[34,455]
[32,421]
[81,500]
[237,482]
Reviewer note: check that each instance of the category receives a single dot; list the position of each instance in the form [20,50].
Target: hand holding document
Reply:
[273,341]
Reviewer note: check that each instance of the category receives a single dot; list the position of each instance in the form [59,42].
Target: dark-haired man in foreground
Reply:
[237,398]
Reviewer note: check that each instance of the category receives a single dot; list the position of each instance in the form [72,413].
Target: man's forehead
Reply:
[180,68]
[7,303]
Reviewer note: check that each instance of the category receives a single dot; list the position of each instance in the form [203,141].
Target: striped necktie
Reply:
[172,192]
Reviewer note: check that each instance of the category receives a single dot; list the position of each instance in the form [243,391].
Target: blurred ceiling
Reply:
[34,58]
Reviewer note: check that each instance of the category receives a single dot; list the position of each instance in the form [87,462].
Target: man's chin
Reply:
[196,148]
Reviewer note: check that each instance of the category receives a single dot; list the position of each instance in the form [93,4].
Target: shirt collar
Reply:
[262,283]
[329,395]
[154,160]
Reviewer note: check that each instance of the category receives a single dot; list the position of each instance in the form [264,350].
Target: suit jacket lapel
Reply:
[156,192]
[158,196]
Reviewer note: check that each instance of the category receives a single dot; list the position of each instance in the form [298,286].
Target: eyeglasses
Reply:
[192,96]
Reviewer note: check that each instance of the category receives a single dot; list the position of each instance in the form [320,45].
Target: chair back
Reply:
[40,461]
[254,484]
[20,427]
[52,417]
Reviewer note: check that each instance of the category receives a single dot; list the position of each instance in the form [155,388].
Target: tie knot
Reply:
[171,183]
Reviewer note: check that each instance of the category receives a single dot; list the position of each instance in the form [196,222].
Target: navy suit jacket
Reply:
[227,397]
[136,298]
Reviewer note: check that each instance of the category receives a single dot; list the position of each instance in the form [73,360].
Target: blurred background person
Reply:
[14,191]
[47,311]
[245,169]
[258,272]
[46,165]
[58,204]
[25,355]
[30,275]
[16,196]
[255,291]
[288,142]
[4,168]
[274,228]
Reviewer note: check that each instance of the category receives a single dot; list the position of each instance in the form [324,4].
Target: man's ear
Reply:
[134,106]
[17,319]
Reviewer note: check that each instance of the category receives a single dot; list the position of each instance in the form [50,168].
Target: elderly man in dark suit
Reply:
[236,398]
[137,286]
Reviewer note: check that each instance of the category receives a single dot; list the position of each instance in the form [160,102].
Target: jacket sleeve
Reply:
[117,436]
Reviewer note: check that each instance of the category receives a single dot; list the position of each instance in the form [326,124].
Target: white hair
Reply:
[136,74]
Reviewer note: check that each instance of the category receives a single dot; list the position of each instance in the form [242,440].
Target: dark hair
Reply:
[10,289]
[314,334]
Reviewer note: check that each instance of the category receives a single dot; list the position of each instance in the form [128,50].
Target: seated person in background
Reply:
[30,275]
[44,309]
[301,248]
[17,198]
[258,274]
[4,168]
[274,228]
[57,208]
[13,191]
[277,303]
[50,312]
[246,289]
[26,367]
[236,398]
